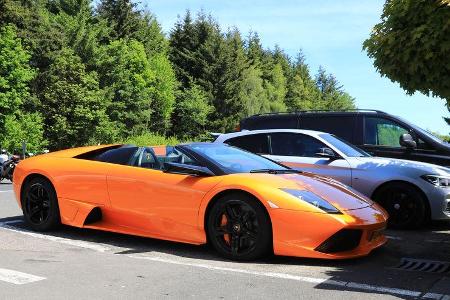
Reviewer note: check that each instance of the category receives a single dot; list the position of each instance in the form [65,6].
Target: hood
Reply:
[398,164]
[337,194]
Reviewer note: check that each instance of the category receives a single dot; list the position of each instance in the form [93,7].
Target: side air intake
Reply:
[94,216]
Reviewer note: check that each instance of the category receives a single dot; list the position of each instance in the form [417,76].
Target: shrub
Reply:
[150,139]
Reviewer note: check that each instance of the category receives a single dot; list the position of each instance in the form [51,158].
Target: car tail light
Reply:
[237,128]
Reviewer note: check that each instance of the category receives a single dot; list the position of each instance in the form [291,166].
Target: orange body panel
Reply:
[152,203]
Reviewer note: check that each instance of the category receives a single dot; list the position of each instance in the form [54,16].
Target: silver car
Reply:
[411,192]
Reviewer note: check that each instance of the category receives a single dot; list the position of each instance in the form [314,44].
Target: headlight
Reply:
[438,180]
[313,199]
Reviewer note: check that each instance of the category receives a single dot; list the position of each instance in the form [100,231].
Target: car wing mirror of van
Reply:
[407,141]
[326,153]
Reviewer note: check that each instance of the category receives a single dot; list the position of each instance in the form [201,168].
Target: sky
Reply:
[330,34]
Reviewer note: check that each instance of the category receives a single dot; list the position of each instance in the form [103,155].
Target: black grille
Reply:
[343,240]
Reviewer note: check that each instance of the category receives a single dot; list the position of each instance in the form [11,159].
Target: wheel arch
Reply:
[30,177]
[418,189]
[222,193]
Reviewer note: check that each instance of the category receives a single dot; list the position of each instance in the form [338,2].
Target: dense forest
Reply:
[74,73]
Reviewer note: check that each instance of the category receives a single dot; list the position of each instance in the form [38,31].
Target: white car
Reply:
[411,192]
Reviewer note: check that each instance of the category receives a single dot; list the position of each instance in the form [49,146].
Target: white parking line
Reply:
[77,243]
[12,222]
[391,237]
[432,296]
[7,191]
[348,284]
[314,280]
[17,277]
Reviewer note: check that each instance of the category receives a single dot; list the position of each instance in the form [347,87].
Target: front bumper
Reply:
[317,235]
[439,199]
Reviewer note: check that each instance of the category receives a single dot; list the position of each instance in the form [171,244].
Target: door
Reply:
[427,152]
[299,151]
[163,204]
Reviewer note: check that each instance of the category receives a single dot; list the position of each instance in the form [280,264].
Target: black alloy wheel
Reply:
[239,228]
[40,205]
[405,205]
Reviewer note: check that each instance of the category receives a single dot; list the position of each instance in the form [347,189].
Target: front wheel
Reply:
[40,205]
[405,205]
[239,227]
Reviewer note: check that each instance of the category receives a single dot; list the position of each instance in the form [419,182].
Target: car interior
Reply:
[146,157]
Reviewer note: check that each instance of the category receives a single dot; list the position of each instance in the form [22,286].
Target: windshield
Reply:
[234,160]
[428,134]
[343,146]
[423,131]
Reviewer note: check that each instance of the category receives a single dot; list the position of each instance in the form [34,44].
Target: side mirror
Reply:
[326,153]
[176,168]
[407,141]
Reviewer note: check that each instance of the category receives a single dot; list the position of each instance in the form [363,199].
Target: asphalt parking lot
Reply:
[74,263]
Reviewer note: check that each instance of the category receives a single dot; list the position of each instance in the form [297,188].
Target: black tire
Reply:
[239,228]
[11,174]
[405,204]
[40,205]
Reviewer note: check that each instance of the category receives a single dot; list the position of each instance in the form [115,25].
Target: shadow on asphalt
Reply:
[141,245]
[375,269]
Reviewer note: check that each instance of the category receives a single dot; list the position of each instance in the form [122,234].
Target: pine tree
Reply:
[332,95]
[36,26]
[254,50]
[84,33]
[73,106]
[191,113]
[229,102]
[128,79]
[150,34]
[182,47]
[163,95]
[195,51]
[121,16]
[275,87]
[302,93]
[253,92]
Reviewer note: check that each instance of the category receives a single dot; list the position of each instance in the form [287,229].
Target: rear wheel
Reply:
[239,228]
[405,205]
[40,205]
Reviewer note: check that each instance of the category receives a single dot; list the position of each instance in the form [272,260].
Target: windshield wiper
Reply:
[275,171]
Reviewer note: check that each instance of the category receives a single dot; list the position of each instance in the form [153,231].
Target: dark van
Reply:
[377,132]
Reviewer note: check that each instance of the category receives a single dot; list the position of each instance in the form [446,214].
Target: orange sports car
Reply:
[245,205]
